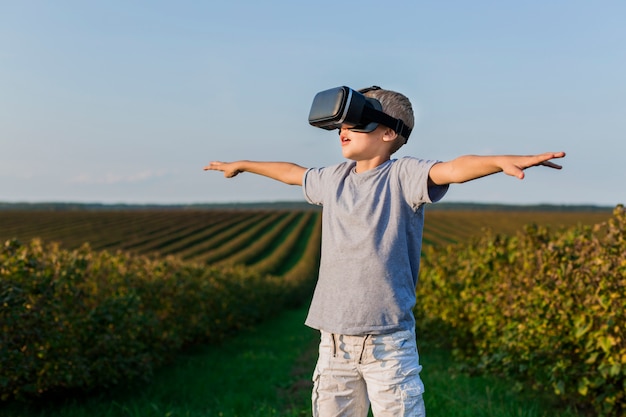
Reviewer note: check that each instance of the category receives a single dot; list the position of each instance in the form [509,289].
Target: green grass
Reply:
[253,374]
[266,372]
[451,393]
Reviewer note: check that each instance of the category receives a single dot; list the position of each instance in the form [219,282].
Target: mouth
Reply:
[344,141]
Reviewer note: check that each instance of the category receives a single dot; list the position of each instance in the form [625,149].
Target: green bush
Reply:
[83,320]
[541,306]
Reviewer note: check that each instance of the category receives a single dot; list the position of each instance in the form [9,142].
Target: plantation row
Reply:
[214,237]
[450,227]
[547,308]
[82,319]
[210,236]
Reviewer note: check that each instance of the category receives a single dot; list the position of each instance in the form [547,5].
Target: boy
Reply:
[371,243]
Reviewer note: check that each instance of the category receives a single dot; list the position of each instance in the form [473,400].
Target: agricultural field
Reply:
[244,236]
[114,294]
[93,298]
[444,227]
[204,236]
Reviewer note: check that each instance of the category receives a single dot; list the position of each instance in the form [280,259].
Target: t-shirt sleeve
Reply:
[436,192]
[311,186]
[413,174]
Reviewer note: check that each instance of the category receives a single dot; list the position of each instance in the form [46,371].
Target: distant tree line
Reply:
[285,205]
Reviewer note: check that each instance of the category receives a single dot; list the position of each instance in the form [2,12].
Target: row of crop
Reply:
[139,231]
[223,236]
[152,233]
[140,237]
[236,240]
[279,259]
[193,236]
[199,236]
[190,234]
[300,277]
[445,227]
[542,306]
[85,319]
[74,228]
[257,247]
[170,236]
[115,229]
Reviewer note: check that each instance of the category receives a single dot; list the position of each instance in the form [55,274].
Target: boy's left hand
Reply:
[515,165]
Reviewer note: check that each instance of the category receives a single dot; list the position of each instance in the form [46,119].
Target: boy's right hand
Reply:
[286,172]
[230,169]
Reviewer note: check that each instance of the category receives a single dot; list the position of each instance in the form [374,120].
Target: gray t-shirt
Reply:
[371,242]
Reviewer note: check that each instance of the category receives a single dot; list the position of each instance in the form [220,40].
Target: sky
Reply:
[126,102]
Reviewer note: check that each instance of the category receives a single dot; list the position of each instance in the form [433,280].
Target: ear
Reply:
[389,135]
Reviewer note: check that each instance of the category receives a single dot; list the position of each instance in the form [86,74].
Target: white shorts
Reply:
[354,372]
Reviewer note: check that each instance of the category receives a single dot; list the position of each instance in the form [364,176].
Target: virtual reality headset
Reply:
[343,106]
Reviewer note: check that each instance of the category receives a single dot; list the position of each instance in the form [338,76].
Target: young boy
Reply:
[371,242]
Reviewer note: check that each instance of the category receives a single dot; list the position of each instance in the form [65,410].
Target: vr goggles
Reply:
[331,109]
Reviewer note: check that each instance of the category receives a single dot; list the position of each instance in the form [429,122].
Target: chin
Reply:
[347,155]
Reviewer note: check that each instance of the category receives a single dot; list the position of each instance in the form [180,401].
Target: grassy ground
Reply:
[266,372]
[249,375]
[450,393]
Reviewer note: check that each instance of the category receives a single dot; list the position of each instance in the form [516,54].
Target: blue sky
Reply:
[125,102]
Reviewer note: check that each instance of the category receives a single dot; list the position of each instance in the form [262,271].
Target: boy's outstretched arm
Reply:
[471,167]
[286,172]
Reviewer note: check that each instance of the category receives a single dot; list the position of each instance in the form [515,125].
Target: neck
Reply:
[366,165]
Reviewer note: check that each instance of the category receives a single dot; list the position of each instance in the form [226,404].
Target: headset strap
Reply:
[378,116]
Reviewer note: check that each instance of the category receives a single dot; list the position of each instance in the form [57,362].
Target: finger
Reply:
[214,165]
[550,164]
